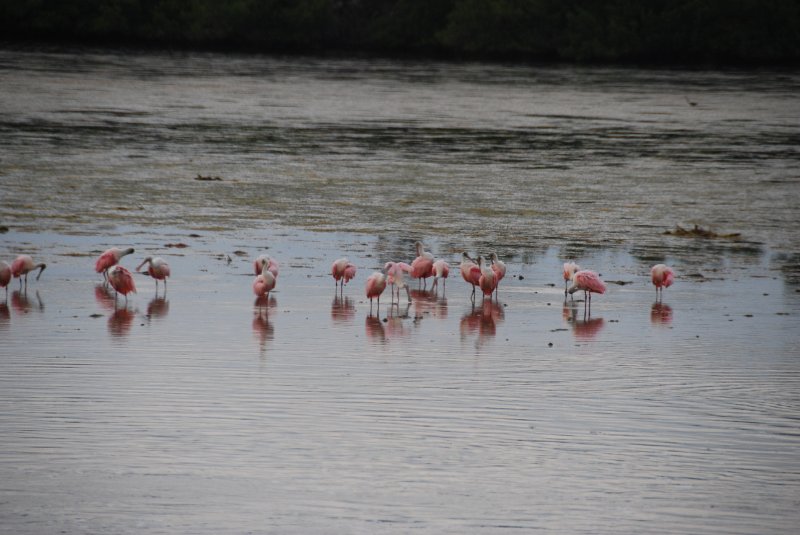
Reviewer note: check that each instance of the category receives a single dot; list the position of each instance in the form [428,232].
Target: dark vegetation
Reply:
[655,31]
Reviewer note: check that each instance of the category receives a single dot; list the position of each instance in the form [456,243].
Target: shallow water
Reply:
[205,412]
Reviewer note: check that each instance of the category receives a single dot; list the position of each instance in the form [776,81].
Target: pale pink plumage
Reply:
[662,277]
[110,258]
[270,263]
[264,283]
[587,281]
[121,280]
[376,284]
[157,268]
[570,268]
[470,272]
[441,270]
[24,264]
[488,280]
[342,270]
[422,265]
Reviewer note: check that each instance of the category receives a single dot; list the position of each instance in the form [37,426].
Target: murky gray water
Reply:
[201,412]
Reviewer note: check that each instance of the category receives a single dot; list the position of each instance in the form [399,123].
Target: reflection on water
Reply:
[5,315]
[24,304]
[660,314]
[120,322]
[104,296]
[158,307]
[343,309]
[429,304]
[584,327]
[374,329]
[263,328]
[482,320]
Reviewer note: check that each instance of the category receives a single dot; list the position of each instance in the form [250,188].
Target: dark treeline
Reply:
[663,31]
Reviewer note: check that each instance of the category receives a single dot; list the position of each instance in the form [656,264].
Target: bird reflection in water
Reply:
[5,315]
[263,329]
[482,319]
[429,304]
[584,327]
[374,329]
[158,307]
[104,296]
[120,322]
[343,309]
[395,320]
[23,304]
[660,314]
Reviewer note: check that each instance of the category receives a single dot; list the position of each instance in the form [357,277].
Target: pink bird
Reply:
[24,264]
[110,258]
[376,284]
[499,268]
[487,280]
[470,272]
[122,281]
[422,265]
[264,283]
[662,277]
[5,276]
[589,282]
[570,268]
[157,268]
[342,270]
[395,276]
[441,270]
[270,263]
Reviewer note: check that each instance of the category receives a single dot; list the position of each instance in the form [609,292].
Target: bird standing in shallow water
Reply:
[470,272]
[422,265]
[24,264]
[441,270]
[5,276]
[487,280]
[589,282]
[342,270]
[264,283]
[395,276]
[570,268]
[499,268]
[662,277]
[376,284]
[122,281]
[158,269]
[110,258]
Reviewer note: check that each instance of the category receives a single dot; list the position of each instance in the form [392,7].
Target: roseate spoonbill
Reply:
[487,280]
[270,263]
[110,258]
[5,276]
[395,276]
[157,268]
[662,277]
[342,270]
[376,284]
[441,270]
[499,268]
[264,283]
[24,264]
[470,272]
[121,280]
[589,282]
[570,268]
[422,265]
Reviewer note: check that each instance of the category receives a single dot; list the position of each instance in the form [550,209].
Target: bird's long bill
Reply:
[146,260]
[41,268]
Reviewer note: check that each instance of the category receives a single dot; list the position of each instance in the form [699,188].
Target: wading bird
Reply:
[342,270]
[264,283]
[395,276]
[487,280]
[5,276]
[441,270]
[157,268]
[110,258]
[662,277]
[376,284]
[470,272]
[122,281]
[499,268]
[422,265]
[589,282]
[570,268]
[24,264]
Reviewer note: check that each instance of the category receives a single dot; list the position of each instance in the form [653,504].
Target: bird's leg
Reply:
[473,294]
[408,294]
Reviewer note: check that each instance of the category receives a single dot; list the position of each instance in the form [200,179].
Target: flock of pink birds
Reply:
[484,274]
